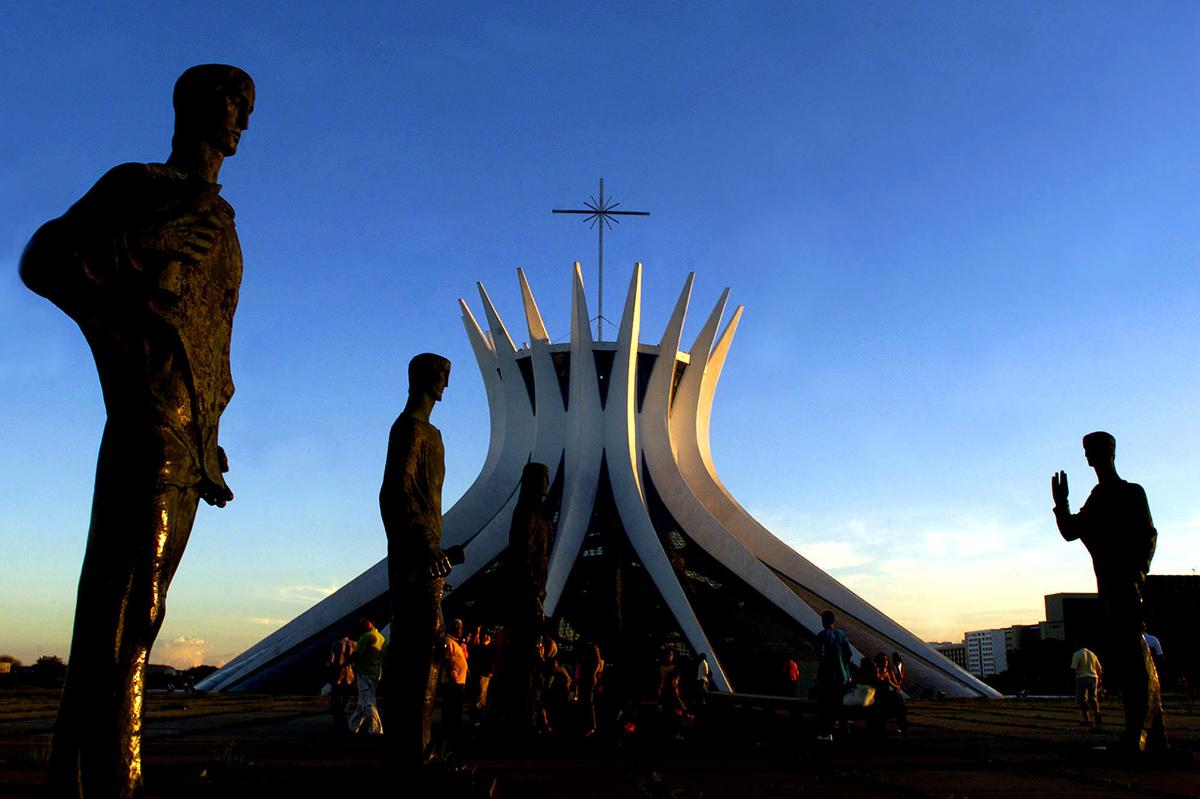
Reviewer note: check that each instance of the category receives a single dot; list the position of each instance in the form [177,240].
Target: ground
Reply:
[248,746]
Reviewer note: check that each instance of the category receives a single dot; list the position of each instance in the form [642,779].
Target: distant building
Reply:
[954,652]
[988,651]
[1077,619]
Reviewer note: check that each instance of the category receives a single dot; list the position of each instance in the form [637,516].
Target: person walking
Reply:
[703,676]
[1088,675]
[368,668]
[833,672]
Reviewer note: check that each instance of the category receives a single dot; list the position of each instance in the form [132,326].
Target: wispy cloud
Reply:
[832,555]
[263,621]
[303,594]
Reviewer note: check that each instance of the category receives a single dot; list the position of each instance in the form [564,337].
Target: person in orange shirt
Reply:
[456,681]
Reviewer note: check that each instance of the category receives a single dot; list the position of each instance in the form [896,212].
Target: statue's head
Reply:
[213,103]
[1100,448]
[428,374]
[535,482]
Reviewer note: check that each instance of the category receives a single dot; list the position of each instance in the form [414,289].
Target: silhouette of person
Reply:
[1116,527]
[148,265]
[834,658]
[410,502]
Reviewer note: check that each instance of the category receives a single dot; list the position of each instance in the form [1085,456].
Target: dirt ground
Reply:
[251,746]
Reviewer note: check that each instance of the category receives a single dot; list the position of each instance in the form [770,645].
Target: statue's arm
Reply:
[65,260]
[47,258]
[1068,524]
[73,260]
[129,229]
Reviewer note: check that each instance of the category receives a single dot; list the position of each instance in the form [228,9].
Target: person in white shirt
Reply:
[1087,683]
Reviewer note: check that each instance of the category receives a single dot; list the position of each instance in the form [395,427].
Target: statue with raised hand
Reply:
[410,501]
[1116,527]
[148,265]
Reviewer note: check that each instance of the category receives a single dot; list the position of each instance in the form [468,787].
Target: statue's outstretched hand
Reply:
[456,554]
[439,565]
[1059,490]
[214,494]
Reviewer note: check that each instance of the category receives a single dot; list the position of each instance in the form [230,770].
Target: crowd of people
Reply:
[485,683]
[481,680]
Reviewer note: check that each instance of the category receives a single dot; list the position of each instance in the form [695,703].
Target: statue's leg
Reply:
[82,751]
[434,648]
[85,753]
[412,666]
[136,537]
[173,510]
[1135,671]
[1154,721]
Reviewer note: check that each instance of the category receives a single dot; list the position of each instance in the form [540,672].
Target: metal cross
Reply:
[600,214]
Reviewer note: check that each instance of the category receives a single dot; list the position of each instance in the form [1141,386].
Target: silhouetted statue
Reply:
[525,564]
[410,502]
[1115,526]
[148,264]
[527,558]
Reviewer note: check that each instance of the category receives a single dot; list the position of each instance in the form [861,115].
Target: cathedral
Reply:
[650,550]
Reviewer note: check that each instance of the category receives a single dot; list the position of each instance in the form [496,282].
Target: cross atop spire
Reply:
[599,214]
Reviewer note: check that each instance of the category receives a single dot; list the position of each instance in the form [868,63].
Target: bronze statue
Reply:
[1116,527]
[525,564]
[410,501]
[148,265]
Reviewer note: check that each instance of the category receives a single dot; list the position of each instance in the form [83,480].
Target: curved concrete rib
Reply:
[481,498]
[549,414]
[491,489]
[583,445]
[691,515]
[621,449]
[488,542]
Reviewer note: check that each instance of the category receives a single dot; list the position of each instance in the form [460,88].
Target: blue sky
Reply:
[965,234]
